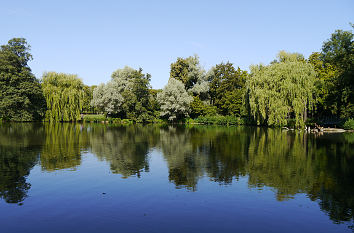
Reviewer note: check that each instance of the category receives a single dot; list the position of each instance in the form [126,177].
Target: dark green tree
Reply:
[137,97]
[227,87]
[21,96]
[88,108]
[339,52]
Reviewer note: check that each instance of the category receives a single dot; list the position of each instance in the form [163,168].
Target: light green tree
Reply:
[174,100]
[280,91]
[64,94]
[326,86]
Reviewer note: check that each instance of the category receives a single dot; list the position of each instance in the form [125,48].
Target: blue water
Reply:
[90,194]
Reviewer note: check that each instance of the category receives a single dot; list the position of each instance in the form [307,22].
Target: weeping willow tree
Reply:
[281,91]
[65,96]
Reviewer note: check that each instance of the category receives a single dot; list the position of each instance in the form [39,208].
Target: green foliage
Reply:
[127,122]
[339,52]
[281,91]
[200,108]
[326,82]
[227,87]
[127,95]
[87,107]
[65,96]
[349,124]
[94,118]
[21,96]
[187,70]
[153,103]
[220,120]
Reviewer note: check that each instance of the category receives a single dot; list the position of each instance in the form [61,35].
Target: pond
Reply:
[101,178]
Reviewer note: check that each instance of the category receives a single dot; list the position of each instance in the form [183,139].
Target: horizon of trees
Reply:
[290,88]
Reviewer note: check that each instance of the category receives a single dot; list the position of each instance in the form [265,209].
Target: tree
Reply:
[227,86]
[174,100]
[65,96]
[88,108]
[338,51]
[188,71]
[281,91]
[21,96]
[153,103]
[125,95]
[326,83]
[106,99]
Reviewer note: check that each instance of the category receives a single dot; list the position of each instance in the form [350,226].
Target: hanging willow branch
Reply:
[281,91]
[65,96]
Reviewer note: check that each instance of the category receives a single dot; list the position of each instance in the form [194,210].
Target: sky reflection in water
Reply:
[99,178]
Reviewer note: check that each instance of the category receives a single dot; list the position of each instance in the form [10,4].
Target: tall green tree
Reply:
[227,87]
[65,96]
[325,85]
[339,52]
[188,71]
[21,96]
[88,108]
[281,91]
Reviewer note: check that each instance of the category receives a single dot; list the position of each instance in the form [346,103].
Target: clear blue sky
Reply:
[94,38]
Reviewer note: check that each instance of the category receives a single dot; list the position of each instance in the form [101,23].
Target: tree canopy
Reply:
[125,95]
[65,96]
[281,91]
[338,51]
[21,96]
[174,100]
[227,86]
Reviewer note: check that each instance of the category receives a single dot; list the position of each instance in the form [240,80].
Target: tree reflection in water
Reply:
[19,150]
[288,162]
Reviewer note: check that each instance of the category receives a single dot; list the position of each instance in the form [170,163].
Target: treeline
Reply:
[291,90]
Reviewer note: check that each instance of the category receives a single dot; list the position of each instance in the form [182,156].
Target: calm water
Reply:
[99,178]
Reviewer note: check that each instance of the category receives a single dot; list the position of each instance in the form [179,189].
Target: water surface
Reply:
[100,178]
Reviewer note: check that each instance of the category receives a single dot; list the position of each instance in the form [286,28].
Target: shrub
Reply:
[114,120]
[349,124]
[218,120]
[126,122]
[94,118]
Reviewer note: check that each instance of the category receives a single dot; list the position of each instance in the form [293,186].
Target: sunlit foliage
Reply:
[281,91]
[65,96]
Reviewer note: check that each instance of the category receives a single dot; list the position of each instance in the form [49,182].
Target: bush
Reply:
[115,120]
[349,124]
[126,122]
[218,120]
[94,118]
